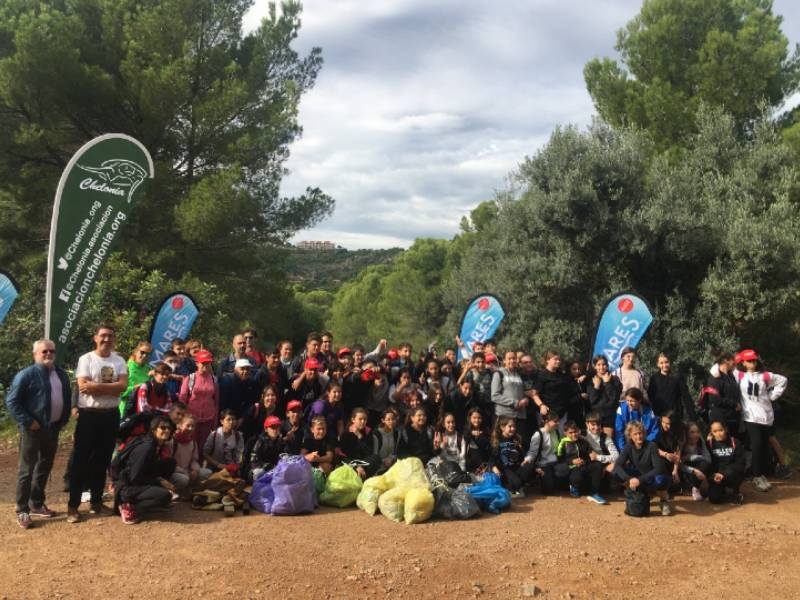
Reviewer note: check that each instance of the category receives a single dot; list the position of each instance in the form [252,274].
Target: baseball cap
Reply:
[243,363]
[490,357]
[203,356]
[393,354]
[294,405]
[343,352]
[312,363]
[272,421]
[748,354]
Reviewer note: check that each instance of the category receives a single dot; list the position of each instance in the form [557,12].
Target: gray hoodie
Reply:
[507,391]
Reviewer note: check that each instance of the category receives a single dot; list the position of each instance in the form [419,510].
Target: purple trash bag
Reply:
[262,496]
[293,487]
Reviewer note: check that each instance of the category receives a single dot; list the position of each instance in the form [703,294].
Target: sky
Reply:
[423,108]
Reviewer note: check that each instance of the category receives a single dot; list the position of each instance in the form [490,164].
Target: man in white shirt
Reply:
[38,400]
[102,376]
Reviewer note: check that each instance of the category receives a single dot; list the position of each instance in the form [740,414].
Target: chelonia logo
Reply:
[116,176]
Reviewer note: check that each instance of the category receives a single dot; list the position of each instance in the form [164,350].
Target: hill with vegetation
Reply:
[329,269]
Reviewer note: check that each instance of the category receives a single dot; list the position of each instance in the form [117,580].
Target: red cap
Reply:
[203,356]
[343,351]
[490,357]
[272,421]
[294,405]
[393,354]
[746,355]
[312,363]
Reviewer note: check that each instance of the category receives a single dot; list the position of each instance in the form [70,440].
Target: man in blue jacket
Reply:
[39,401]
[633,409]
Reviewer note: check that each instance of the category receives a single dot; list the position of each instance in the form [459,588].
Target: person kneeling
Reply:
[141,472]
[642,470]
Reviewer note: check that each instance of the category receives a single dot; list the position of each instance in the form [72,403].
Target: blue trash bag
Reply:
[490,493]
[293,487]
[262,496]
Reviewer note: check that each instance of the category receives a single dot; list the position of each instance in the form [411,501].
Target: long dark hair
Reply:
[497,433]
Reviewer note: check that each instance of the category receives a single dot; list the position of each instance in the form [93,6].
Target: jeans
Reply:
[36,452]
[95,437]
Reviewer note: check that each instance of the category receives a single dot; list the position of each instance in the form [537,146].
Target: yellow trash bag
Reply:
[392,504]
[419,504]
[372,489]
[408,473]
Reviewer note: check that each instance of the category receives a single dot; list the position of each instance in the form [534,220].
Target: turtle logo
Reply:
[115,176]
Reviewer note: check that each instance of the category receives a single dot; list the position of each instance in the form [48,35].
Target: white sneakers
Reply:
[761,484]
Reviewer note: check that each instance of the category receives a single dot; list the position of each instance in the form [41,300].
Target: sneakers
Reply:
[697,495]
[783,472]
[128,514]
[24,520]
[43,511]
[518,494]
[574,491]
[761,484]
[597,499]
[666,509]
[73,516]
[737,498]
[98,508]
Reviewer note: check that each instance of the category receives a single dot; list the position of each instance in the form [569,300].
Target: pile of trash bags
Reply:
[408,492]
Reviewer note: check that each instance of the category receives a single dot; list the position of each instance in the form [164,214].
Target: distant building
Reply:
[316,245]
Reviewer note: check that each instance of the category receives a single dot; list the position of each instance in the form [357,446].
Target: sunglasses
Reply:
[47,351]
[164,428]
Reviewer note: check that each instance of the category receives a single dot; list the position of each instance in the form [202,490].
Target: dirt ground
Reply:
[543,547]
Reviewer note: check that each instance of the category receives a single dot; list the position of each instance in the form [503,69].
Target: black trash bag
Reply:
[453,474]
[450,503]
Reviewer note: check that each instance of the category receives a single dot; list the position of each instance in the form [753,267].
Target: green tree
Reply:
[400,302]
[677,54]
[216,108]
[710,240]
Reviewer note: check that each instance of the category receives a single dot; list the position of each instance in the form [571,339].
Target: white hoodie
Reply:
[759,390]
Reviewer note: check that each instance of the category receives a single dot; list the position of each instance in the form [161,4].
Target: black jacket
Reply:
[139,464]
[263,453]
[605,400]
[416,443]
[669,392]
[722,405]
[726,456]
[554,390]
[645,460]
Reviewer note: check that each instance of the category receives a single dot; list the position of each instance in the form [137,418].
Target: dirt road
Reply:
[543,547]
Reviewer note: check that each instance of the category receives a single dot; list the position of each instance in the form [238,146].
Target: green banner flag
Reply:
[95,195]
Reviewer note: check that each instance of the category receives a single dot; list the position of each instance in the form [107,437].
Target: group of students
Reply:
[547,427]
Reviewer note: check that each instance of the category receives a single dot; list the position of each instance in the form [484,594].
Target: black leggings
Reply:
[759,440]
[143,497]
[732,479]
[516,477]
[592,471]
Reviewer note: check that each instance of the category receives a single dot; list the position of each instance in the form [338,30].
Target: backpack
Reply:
[132,400]
[190,384]
[703,403]
[764,375]
[539,449]
[637,503]
[120,461]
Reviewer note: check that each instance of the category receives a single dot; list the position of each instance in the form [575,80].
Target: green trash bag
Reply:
[341,488]
[370,492]
[319,480]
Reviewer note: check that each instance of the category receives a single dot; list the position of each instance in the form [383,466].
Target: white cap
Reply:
[243,363]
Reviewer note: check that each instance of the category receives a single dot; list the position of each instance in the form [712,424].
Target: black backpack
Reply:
[637,503]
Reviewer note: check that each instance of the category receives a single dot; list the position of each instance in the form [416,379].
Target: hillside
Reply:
[327,270]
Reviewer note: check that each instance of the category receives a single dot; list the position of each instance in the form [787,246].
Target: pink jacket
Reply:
[203,402]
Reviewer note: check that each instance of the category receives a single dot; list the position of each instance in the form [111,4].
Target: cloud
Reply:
[422,109]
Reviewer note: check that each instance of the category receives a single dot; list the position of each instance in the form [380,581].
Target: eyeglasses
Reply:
[47,351]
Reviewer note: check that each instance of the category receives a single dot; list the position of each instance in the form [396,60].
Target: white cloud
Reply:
[423,108]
